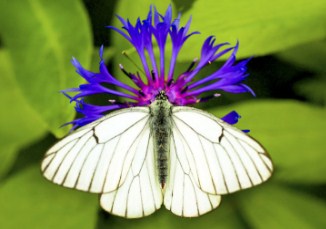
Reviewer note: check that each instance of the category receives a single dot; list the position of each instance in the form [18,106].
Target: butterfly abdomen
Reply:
[161,130]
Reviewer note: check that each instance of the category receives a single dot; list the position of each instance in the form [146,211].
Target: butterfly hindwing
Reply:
[140,195]
[182,196]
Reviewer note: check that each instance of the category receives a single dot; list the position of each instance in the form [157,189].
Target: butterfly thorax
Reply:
[160,125]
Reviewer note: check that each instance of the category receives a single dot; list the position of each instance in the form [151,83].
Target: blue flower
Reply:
[181,89]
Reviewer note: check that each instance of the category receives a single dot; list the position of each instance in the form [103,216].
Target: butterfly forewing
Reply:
[97,158]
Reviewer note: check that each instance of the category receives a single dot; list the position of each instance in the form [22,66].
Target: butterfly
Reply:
[141,158]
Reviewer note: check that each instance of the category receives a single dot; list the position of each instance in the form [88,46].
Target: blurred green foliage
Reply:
[287,39]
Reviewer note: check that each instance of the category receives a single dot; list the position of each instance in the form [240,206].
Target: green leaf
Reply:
[274,206]
[292,132]
[313,89]
[262,27]
[311,56]
[41,38]
[8,154]
[29,201]
[19,124]
[224,217]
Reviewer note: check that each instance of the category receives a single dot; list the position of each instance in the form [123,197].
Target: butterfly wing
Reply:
[98,157]
[212,156]
[182,195]
[140,195]
[112,156]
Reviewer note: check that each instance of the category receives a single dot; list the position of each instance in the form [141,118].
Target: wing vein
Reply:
[97,163]
[150,181]
[139,136]
[195,193]
[183,188]
[141,197]
[73,161]
[208,165]
[107,169]
[252,160]
[267,167]
[238,156]
[232,163]
[46,167]
[219,165]
[61,162]
[83,164]
[175,148]
[64,145]
[259,153]
[192,153]
[67,172]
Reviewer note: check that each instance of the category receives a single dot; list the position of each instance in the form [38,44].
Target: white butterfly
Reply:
[142,157]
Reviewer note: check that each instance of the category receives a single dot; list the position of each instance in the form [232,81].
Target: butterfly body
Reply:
[160,125]
[141,158]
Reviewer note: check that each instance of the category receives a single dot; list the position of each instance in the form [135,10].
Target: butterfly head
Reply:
[161,96]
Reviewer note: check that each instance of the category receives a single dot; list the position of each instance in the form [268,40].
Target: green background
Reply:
[288,73]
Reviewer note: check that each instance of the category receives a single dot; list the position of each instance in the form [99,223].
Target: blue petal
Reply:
[231,118]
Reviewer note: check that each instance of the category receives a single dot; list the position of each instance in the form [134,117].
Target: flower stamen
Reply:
[170,82]
[184,89]
[205,99]
[192,65]
[153,75]
[141,93]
